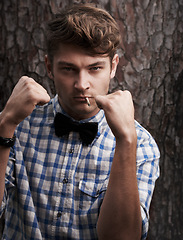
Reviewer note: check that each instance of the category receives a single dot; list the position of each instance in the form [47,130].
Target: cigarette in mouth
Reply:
[88,102]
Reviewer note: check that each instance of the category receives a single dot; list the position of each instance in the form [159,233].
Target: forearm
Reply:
[120,216]
[6,131]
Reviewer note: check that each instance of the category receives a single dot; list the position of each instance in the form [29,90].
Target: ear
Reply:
[48,66]
[114,65]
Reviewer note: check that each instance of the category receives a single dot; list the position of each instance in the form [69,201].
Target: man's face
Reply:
[78,75]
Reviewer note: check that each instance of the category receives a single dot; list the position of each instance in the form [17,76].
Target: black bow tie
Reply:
[64,125]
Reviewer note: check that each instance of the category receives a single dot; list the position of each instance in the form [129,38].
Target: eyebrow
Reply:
[97,63]
[66,63]
[103,63]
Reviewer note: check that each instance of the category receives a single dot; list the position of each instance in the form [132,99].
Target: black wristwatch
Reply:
[7,142]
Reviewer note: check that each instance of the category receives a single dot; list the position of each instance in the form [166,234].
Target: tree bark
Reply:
[151,67]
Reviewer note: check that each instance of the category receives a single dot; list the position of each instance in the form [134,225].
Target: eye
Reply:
[96,68]
[68,69]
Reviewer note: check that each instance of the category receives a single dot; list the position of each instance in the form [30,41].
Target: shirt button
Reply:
[65,180]
[71,151]
[59,214]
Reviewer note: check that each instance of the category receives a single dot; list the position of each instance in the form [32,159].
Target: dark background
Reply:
[151,67]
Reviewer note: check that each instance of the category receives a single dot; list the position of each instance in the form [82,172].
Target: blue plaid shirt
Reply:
[54,187]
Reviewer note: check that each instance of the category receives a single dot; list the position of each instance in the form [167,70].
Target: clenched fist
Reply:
[119,112]
[25,96]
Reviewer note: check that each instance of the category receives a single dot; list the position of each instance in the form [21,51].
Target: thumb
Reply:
[101,101]
[44,99]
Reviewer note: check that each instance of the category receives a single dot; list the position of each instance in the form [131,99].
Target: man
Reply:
[67,185]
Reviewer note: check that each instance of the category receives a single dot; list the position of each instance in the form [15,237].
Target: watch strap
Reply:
[7,142]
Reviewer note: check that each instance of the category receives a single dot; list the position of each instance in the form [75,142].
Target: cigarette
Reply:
[88,102]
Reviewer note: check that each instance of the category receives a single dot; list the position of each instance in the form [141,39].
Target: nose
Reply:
[82,81]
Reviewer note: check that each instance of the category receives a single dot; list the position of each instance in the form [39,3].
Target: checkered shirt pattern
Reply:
[54,187]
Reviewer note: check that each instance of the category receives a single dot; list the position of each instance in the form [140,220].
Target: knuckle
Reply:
[127,92]
[23,78]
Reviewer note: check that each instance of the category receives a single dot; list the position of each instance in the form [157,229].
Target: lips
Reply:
[82,98]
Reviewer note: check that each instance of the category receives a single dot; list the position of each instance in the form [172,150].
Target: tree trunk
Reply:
[151,67]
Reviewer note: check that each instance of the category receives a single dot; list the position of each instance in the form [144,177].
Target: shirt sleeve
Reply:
[147,172]
[9,181]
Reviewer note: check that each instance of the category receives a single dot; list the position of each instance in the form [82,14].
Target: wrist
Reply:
[129,138]
[7,128]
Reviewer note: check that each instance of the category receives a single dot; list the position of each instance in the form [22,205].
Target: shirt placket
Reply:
[65,185]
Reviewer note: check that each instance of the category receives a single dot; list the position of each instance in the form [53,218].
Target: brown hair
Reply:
[86,26]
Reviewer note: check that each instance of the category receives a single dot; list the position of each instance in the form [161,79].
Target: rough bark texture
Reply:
[151,67]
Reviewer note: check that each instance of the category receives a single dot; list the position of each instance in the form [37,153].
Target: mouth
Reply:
[83,100]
